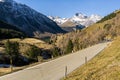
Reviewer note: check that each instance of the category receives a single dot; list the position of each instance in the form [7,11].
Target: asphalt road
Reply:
[55,69]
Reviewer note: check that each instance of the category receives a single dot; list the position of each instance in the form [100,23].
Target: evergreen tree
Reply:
[12,48]
[69,47]
[33,52]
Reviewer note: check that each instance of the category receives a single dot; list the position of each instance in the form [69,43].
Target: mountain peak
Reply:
[79,18]
[78,14]
[95,17]
[27,19]
[6,0]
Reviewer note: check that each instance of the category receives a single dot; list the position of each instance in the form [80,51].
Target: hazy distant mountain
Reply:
[78,19]
[27,19]
[58,20]
[71,26]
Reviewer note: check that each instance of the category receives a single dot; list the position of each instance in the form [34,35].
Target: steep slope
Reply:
[26,19]
[96,33]
[9,31]
[104,66]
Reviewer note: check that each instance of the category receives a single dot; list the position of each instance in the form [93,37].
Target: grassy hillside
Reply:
[105,66]
[26,43]
[32,41]
[110,16]
[96,33]
[31,49]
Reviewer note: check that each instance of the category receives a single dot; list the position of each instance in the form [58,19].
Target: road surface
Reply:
[55,69]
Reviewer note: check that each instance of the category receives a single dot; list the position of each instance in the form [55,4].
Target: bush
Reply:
[55,52]
[107,27]
[33,52]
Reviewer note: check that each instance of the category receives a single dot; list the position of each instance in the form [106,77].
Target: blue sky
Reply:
[67,8]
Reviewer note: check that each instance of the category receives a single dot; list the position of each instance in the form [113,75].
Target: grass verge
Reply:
[105,66]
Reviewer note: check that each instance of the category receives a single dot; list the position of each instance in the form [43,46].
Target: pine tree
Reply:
[69,47]
[33,52]
[12,48]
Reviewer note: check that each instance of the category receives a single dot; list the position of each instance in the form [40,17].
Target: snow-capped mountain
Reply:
[6,1]
[26,18]
[58,20]
[78,18]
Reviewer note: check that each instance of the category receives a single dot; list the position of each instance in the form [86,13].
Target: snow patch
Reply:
[6,0]
[78,18]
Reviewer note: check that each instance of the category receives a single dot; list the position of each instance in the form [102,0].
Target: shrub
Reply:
[107,27]
[33,52]
[55,52]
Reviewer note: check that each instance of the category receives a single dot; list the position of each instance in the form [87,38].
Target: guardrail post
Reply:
[11,64]
[65,71]
[85,60]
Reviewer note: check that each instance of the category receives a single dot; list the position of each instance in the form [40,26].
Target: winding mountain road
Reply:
[55,69]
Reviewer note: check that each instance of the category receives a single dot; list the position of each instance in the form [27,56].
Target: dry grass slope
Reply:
[33,41]
[105,66]
[91,35]
[24,46]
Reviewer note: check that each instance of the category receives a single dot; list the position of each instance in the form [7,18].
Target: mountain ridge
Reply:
[78,18]
[27,19]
